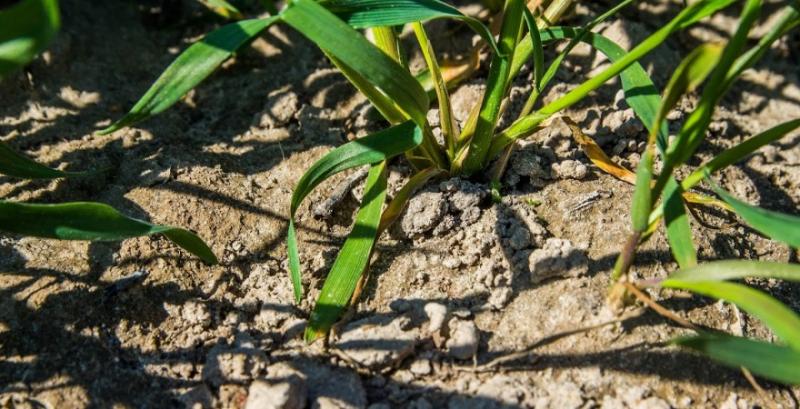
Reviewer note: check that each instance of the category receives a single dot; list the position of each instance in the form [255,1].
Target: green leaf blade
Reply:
[368,150]
[739,151]
[16,165]
[191,67]
[738,269]
[381,13]
[777,316]
[679,233]
[774,362]
[90,221]
[776,225]
[337,38]
[353,258]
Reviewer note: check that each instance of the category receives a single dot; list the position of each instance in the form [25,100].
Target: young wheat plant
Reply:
[378,69]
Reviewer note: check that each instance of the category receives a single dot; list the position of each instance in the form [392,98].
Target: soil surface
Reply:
[470,304]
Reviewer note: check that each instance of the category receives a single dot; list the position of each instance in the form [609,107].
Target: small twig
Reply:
[759,390]
[664,312]
[490,366]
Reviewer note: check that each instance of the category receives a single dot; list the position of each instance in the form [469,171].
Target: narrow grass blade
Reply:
[368,150]
[738,269]
[694,128]
[777,316]
[447,120]
[353,258]
[385,38]
[642,201]
[789,19]
[778,226]
[194,65]
[679,233]
[388,108]
[340,40]
[376,13]
[496,88]
[688,16]
[26,28]
[640,92]
[90,221]
[533,41]
[691,72]
[16,165]
[537,51]
[774,362]
[739,151]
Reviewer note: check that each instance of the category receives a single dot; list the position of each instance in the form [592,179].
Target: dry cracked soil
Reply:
[470,303]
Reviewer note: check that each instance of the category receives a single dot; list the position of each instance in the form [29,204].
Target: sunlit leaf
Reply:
[738,269]
[739,151]
[340,40]
[775,315]
[679,233]
[376,13]
[353,257]
[496,89]
[194,65]
[26,29]
[364,151]
[689,15]
[779,226]
[223,8]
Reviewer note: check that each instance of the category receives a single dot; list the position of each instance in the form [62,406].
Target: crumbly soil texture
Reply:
[470,303]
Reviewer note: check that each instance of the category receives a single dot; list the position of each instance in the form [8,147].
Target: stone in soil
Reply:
[233,364]
[283,388]
[463,340]
[558,258]
[378,342]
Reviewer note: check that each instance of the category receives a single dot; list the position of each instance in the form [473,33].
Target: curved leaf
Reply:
[16,165]
[640,92]
[378,13]
[368,150]
[90,221]
[777,316]
[194,65]
[689,15]
[778,226]
[352,259]
[336,38]
[739,151]
[770,361]
[26,29]
[738,269]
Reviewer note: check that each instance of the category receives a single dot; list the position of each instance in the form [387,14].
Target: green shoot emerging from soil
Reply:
[378,69]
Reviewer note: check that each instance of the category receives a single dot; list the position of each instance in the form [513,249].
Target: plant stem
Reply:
[496,88]
[446,118]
